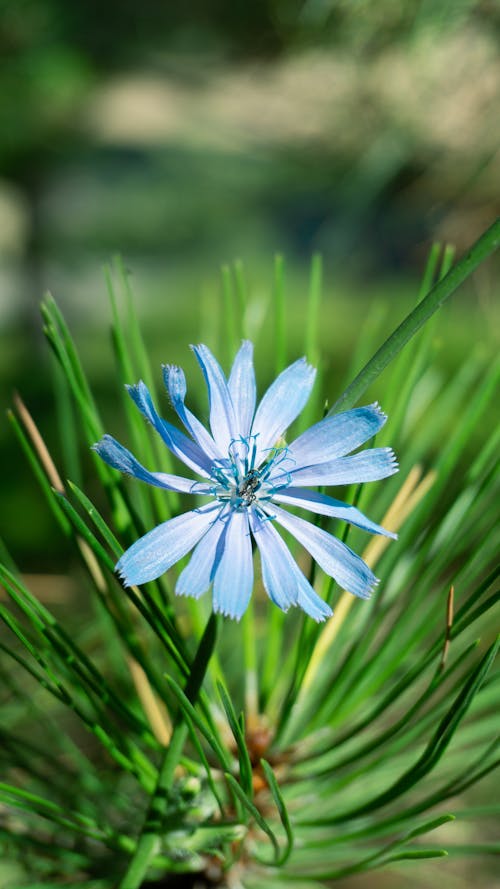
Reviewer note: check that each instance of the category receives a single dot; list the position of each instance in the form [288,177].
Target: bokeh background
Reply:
[185,136]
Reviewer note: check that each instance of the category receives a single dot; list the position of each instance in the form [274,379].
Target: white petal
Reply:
[180,445]
[324,505]
[222,417]
[242,387]
[367,466]
[159,549]
[198,574]
[337,435]
[282,577]
[115,455]
[233,578]
[333,556]
[281,404]
[175,383]
[275,558]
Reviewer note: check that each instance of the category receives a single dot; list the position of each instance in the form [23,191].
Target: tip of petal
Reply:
[99,448]
[138,392]
[134,387]
[310,367]
[181,591]
[228,612]
[322,615]
[393,461]
[371,588]
[365,591]
[247,344]
[175,382]
[98,445]
[378,410]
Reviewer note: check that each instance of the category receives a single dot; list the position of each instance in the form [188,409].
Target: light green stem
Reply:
[149,841]
[484,247]
[250,658]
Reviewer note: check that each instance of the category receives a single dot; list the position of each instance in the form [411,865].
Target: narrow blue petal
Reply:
[281,404]
[242,387]
[275,559]
[222,417]
[198,574]
[233,579]
[284,581]
[366,466]
[159,549]
[115,455]
[175,383]
[334,557]
[310,602]
[337,435]
[324,505]
[186,450]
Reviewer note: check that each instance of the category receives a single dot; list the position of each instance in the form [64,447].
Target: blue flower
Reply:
[247,472]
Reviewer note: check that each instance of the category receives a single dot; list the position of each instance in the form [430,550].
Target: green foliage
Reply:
[143,737]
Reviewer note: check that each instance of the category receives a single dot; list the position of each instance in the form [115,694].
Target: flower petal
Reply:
[186,450]
[115,455]
[242,387]
[162,547]
[337,435]
[175,383]
[282,577]
[281,404]
[198,574]
[367,466]
[276,574]
[233,579]
[324,505]
[334,557]
[222,417]
[310,602]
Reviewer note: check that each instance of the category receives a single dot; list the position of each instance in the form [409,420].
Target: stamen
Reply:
[254,449]
[239,484]
[201,488]
[263,516]
[249,486]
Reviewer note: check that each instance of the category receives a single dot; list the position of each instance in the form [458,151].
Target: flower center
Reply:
[237,480]
[248,487]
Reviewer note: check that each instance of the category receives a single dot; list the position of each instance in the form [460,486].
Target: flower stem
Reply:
[149,841]
[484,247]
[250,658]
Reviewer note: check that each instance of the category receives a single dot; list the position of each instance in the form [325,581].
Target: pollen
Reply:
[248,487]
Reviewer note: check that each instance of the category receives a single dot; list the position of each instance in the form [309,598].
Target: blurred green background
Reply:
[189,135]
